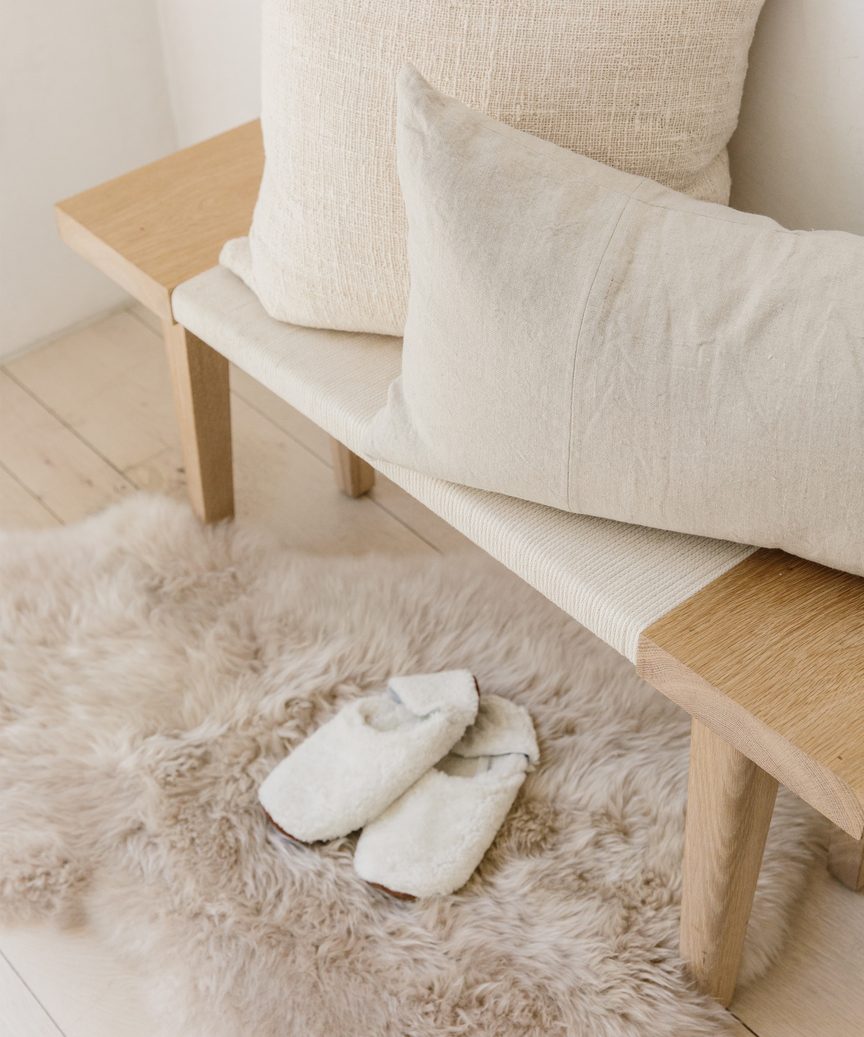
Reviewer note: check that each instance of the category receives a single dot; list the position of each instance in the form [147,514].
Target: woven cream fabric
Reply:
[650,86]
[616,579]
[583,338]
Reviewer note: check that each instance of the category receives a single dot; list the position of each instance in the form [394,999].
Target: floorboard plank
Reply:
[86,989]
[739,1029]
[50,461]
[19,509]
[21,1015]
[815,988]
[109,382]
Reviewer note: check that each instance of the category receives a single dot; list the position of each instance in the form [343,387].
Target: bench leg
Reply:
[354,476]
[846,859]
[729,807]
[199,378]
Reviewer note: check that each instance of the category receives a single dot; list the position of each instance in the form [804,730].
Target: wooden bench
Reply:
[767,658]
[156,227]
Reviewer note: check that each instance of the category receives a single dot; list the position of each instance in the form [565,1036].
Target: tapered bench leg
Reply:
[199,377]
[354,476]
[846,859]
[729,807]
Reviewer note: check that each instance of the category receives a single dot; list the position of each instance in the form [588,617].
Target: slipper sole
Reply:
[394,893]
[288,835]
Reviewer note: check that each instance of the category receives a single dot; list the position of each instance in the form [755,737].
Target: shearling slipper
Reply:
[433,837]
[356,764]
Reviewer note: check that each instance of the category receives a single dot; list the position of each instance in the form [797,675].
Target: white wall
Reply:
[211,50]
[798,154]
[82,99]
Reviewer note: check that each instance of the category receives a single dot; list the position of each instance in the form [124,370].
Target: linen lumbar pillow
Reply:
[653,88]
[587,339]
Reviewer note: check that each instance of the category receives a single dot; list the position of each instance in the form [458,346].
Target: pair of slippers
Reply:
[428,769]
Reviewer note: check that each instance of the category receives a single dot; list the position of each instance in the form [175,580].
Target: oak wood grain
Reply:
[771,657]
[200,379]
[159,225]
[729,806]
[354,476]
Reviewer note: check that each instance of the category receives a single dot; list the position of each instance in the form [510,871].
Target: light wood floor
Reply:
[87,419]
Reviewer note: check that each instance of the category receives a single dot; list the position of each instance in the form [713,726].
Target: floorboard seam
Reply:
[69,428]
[30,493]
[32,992]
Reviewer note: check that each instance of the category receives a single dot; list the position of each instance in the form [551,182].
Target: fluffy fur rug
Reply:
[152,672]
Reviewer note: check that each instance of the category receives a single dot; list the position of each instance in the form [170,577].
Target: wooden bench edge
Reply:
[156,297]
[776,755]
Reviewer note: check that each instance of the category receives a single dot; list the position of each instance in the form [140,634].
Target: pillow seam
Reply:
[628,199]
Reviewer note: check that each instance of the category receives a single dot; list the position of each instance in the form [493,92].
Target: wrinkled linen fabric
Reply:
[650,86]
[587,339]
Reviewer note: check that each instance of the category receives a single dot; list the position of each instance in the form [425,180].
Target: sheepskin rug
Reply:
[152,672]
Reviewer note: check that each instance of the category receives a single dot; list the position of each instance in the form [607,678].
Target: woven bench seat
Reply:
[614,578]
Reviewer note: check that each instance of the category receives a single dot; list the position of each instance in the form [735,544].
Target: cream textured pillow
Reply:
[584,338]
[651,86]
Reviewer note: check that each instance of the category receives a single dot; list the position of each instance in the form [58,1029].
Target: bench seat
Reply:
[615,579]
